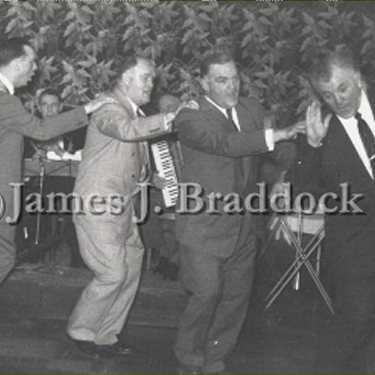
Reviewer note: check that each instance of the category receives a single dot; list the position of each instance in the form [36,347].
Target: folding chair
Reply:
[293,228]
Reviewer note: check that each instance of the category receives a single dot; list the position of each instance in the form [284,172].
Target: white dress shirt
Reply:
[351,128]
[268,132]
[5,81]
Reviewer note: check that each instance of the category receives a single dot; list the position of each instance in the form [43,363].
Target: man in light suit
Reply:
[333,155]
[17,67]
[218,251]
[114,161]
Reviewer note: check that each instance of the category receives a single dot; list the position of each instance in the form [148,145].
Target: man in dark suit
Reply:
[17,67]
[217,251]
[331,157]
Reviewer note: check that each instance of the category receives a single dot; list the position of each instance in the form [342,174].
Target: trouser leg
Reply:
[115,258]
[230,313]
[7,249]
[202,279]
[351,329]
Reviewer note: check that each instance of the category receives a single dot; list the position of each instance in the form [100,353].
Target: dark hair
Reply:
[49,91]
[214,58]
[321,69]
[12,49]
[126,64]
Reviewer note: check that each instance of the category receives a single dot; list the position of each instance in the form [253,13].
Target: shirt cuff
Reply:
[269,139]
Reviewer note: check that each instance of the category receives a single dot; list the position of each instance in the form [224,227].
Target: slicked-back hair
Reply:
[212,59]
[11,49]
[128,63]
[321,69]
[50,91]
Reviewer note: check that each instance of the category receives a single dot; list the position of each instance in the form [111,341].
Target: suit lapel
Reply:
[216,117]
[142,147]
[345,150]
[218,120]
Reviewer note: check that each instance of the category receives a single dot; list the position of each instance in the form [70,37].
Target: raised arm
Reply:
[14,117]
[115,122]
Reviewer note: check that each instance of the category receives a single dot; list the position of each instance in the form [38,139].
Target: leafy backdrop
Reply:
[79,43]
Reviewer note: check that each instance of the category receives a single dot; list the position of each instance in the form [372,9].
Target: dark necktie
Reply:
[144,156]
[368,139]
[239,162]
[230,118]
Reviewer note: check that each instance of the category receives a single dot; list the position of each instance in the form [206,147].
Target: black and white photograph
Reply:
[187,187]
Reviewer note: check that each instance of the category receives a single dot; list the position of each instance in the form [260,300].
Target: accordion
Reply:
[167,159]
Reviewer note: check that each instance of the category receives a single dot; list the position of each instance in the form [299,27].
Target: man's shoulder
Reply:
[111,109]
[249,102]
[192,113]
[10,103]
[5,97]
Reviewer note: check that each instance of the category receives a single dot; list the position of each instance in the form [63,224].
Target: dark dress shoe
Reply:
[126,353]
[87,347]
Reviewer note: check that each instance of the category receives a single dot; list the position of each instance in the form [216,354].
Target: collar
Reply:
[221,109]
[365,106]
[135,108]
[127,102]
[224,112]
[364,109]
[6,82]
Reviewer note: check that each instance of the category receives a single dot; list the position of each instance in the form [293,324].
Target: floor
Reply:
[279,340]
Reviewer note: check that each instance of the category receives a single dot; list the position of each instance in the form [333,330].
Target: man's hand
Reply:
[97,103]
[289,132]
[168,119]
[191,104]
[280,189]
[39,154]
[57,149]
[316,128]
[158,181]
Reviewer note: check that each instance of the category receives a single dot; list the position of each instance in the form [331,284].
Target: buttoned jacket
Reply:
[221,160]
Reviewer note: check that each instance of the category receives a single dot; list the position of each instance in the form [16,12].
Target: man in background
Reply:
[54,225]
[49,105]
[158,232]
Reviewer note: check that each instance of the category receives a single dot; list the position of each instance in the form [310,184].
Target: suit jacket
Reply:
[350,237]
[224,161]
[15,123]
[115,149]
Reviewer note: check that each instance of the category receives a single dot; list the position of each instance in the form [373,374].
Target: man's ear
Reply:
[204,83]
[16,64]
[125,78]
[358,80]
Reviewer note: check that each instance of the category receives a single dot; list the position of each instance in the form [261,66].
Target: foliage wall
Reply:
[80,43]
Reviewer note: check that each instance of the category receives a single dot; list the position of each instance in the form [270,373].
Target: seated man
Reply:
[50,105]
[158,232]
